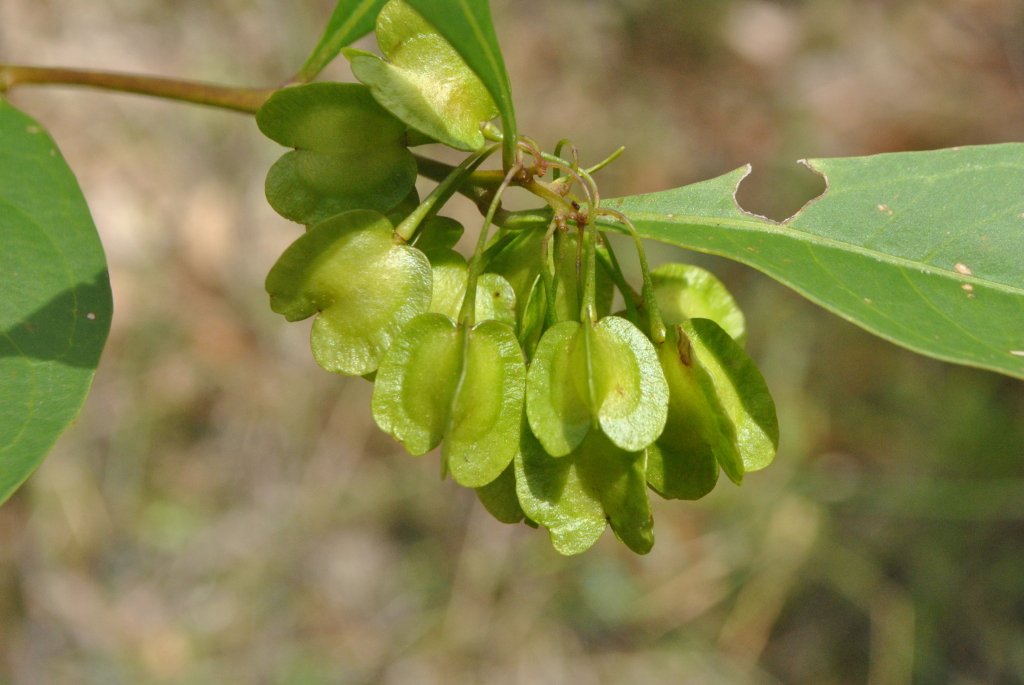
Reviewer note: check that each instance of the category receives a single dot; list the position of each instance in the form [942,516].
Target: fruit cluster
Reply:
[555,410]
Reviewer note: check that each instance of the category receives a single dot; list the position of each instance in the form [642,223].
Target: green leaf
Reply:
[742,392]
[56,305]
[423,81]
[925,249]
[349,152]
[466,24]
[350,21]
[364,285]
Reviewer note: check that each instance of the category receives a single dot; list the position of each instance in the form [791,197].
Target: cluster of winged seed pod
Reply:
[557,412]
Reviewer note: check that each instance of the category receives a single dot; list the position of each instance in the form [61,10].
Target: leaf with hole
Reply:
[56,306]
[921,248]
[362,281]
[423,81]
[348,152]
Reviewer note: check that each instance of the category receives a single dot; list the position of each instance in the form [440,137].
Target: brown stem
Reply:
[239,99]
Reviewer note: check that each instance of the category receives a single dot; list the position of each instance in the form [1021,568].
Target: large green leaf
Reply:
[925,249]
[467,26]
[350,21]
[55,306]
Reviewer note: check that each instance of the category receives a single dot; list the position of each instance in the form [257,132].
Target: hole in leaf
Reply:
[778,191]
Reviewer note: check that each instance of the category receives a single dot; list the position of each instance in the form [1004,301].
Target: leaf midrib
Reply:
[783,229]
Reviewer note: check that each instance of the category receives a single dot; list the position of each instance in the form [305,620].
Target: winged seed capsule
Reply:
[604,376]
[363,282]
[442,381]
[423,81]
[348,152]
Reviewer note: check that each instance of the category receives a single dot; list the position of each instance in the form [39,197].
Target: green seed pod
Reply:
[416,382]
[605,374]
[683,461]
[741,390]
[576,495]
[686,292]
[532,323]
[423,81]
[499,497]
[520,263]
[439,232]
[348,152]
[364,284]
[495,298]
[439,381]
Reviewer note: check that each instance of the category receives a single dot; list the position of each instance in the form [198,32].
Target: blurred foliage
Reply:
[225,512]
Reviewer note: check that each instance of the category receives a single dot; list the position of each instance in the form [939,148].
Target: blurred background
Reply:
[226,512]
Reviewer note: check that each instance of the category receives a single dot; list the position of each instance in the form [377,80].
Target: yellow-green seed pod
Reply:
[604,375]
[520,262]
[439,233]
[576,495]
[499,497]
[741,390]
[495,298]
[683,461]
[364,283]
[685,291]
[442,382]
[423,81]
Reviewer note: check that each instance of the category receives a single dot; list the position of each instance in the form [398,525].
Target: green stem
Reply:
[606,255]
[467,314]
[442,193]
[657,332]
[238,99]
[548,274]
[588,307]
[611,158]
